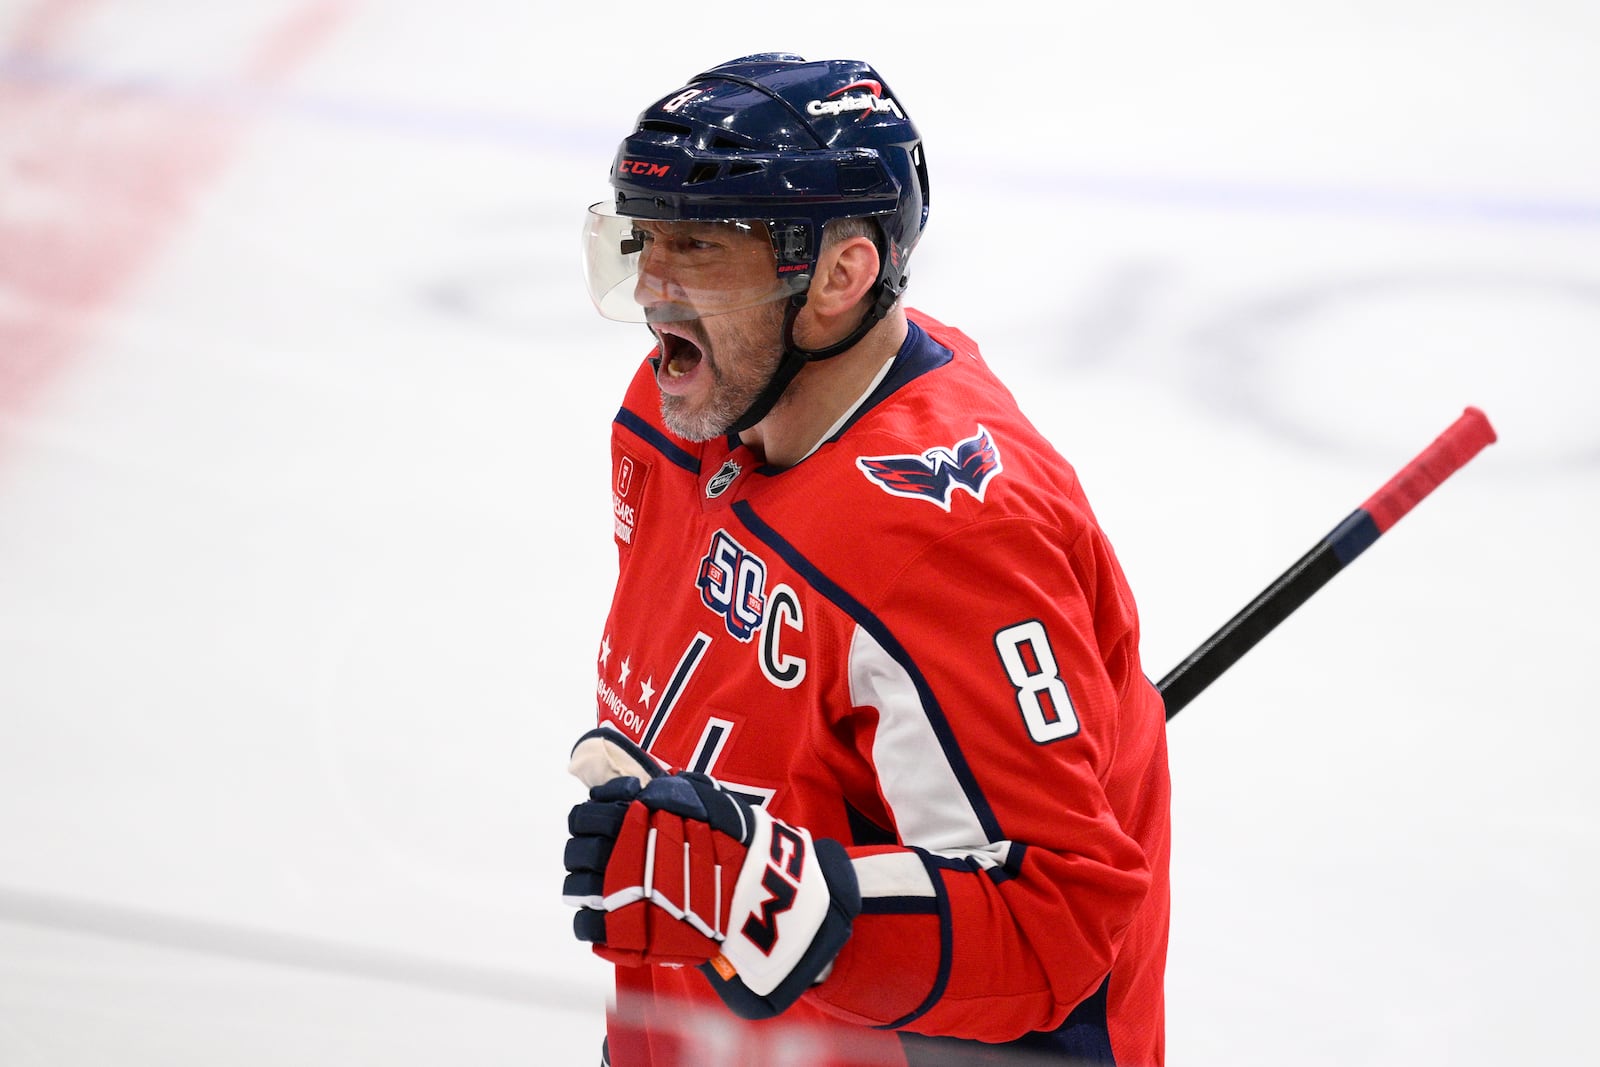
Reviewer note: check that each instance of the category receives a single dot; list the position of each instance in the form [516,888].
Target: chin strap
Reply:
[795,358]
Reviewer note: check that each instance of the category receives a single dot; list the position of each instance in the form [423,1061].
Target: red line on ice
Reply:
[99,179]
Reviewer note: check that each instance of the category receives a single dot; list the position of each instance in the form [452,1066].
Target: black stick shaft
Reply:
[1258,618]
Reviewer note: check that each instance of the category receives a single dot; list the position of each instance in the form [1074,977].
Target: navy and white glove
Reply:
[678,870]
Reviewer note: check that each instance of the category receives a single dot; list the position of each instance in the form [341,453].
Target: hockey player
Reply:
[875,749]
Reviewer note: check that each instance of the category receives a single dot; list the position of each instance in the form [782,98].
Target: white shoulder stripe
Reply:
[930,809]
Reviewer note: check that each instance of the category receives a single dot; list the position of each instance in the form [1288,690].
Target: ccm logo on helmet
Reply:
[644,167]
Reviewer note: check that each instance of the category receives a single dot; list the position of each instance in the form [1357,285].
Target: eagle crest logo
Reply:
[936,474]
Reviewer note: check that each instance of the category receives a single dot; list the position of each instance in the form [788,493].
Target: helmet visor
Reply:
[653,270]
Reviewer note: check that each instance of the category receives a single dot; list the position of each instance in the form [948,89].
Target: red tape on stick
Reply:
[1450,451]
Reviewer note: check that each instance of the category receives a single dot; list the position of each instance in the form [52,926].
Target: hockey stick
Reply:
[1450,451]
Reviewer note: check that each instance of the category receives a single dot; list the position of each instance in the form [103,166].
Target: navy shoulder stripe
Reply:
[657,440]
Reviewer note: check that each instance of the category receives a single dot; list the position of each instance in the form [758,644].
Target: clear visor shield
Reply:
[650,270]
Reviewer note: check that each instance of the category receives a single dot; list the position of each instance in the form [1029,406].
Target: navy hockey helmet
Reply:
[769,141]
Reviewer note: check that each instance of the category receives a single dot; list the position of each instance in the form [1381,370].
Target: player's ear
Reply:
[846,271]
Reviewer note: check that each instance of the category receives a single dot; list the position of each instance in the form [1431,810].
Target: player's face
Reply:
[716,361]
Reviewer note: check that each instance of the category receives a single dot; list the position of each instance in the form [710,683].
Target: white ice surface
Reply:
[304,536]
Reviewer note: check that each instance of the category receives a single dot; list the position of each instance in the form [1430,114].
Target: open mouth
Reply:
[679,355]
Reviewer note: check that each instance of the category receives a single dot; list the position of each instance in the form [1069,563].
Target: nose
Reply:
[654,285]
[660,283]
[650,287]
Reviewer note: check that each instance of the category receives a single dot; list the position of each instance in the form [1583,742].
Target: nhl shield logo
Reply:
[722,479]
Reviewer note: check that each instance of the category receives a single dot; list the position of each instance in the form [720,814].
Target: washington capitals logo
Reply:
[939,472]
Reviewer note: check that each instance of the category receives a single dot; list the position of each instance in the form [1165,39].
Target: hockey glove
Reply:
[680,871]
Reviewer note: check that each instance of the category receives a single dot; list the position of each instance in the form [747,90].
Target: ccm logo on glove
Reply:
[782,882]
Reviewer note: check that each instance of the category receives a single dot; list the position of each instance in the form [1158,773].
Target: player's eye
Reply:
[682,243]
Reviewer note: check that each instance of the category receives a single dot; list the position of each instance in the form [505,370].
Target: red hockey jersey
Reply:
[916,641]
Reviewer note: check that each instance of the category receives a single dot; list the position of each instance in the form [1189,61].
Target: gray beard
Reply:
[704,423]
[730,398]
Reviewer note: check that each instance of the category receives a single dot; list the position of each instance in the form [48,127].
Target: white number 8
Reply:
[1041,694]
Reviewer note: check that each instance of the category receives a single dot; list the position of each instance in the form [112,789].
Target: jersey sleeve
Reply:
[993,690]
